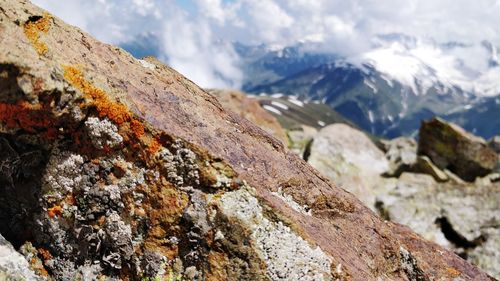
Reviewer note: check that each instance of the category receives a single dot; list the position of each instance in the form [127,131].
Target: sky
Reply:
[195,36]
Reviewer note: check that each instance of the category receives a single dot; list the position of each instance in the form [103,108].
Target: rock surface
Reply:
[301,138]
[464,217]
[250,109]
[430,201]
[349,158]
[401,153]
[117,168]
[450,147]
[13,265]
[424,165]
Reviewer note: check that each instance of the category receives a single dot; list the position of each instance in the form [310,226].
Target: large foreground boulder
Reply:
[451,147]
[250,109]
[117,168]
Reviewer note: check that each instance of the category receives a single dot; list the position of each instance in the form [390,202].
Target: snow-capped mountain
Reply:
[391,88]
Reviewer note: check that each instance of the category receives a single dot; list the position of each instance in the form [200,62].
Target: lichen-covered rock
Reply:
[451,147]
[348,157]
[13,265]
[114,168]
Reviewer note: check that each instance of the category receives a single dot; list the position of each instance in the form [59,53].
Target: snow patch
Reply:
[280,105]
[271,109]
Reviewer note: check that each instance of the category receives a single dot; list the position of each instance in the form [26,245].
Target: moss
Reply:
[32,29]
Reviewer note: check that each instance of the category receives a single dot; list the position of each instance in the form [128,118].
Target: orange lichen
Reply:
[54,211]
[132,129]
[28,117]
[218,263]
[116,112]
[32,30]
[46,255]
[154,146]
[453,272]
[137,128]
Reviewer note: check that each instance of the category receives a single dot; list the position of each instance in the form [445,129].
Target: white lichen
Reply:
[304,209]
[179,165]
[63,172]
[287,255]
[103,133]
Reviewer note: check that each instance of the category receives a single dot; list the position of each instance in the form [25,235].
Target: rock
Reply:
[250,109]
[495,143]
[350,159]
[462,217]
[424,165]
[13,265]
[451,147]
[401,153]
[188,190]
[301,139]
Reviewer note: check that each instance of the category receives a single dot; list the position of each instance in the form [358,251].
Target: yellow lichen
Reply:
[116,112]
[32,30]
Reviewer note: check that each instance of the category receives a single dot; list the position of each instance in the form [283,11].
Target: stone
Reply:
[250,109]
[424,165]
[401,153]
[349,158]
[13,265]
[149,205]
[300,139]
[451,147]
[463,217]
[495,143]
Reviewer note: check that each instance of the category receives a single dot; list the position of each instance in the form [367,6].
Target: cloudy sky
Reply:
[194,36]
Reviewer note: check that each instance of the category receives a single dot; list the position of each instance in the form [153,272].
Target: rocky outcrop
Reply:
[450,147]
[13,265]
[415,192]
[251,110]
[349,158]
[461,217]
[117,168]
[401,153]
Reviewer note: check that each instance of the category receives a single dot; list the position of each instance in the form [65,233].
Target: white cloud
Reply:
[195,34]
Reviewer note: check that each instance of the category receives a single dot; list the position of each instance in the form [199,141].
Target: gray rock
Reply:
[463,217]
[401,153]
[300,138]
[350,159]
[495,143]
[424,165]
[13,265]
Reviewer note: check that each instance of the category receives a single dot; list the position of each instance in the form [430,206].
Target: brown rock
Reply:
[154,179]
[451,147]
[250,109]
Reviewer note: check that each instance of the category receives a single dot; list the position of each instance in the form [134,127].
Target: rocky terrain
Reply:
[113,168]
[445,187]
